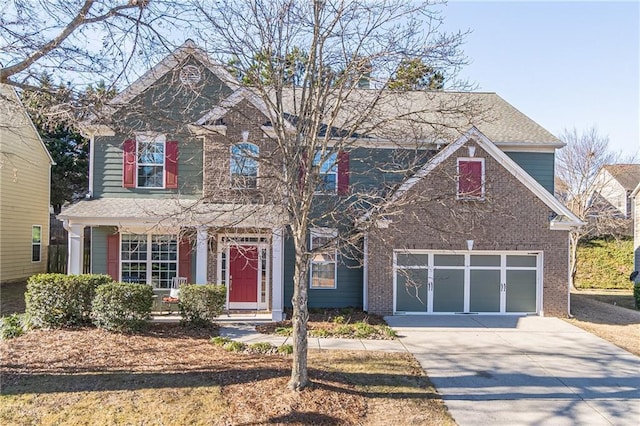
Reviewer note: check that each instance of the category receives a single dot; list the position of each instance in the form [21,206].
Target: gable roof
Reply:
[14,115]
[188,48]
[627,175]
[564,220]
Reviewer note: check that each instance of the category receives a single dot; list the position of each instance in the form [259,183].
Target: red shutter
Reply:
[343,173]
[113,256]
[184,259]
[129,164]
[470,178]
[171,165]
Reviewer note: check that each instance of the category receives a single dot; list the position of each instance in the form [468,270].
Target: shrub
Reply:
[14,326]
[220,341]
[636,294]
[363,330]
[283,331]
[201,304]
[233,346]
[57,300]
[261,347]
[285,349]
[122,306]
[320,332]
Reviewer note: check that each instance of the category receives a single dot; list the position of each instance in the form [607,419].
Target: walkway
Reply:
[523,370]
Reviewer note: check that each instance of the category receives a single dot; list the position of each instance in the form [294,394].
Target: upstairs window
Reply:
[150,162]
[470,179]
[322,269]
[244,165]
[327,171]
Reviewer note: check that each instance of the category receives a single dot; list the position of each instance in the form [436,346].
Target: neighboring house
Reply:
[165,203]
[614,183]
[25,170]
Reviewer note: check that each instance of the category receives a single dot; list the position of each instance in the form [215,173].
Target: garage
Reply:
[483,282]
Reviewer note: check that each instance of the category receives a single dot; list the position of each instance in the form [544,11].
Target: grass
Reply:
[605,263]
[165,377]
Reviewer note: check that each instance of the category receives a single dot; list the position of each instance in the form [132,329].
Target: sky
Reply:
[563,64]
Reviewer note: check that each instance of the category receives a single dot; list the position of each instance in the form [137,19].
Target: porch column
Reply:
[277,275]
[202,239]
[75,249]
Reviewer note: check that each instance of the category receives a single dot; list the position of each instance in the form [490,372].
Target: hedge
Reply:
[201,304]
[122,306]
[58,300]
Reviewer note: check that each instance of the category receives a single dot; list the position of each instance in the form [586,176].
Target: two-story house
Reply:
[614,184]
[25,171]
[178,192]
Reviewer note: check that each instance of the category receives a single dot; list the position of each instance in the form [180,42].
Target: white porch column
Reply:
[75,254]
[202,243]
[277,275]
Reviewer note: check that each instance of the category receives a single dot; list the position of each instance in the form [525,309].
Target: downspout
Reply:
[91,159]
[365,274]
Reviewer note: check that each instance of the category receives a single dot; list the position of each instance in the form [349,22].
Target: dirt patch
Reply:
[173,375]
[618,325]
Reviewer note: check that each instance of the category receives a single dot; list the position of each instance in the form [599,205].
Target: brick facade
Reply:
[429,217]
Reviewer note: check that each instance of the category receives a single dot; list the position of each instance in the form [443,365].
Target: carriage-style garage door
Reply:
[467,282]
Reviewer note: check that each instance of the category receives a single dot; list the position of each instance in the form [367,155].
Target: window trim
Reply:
[151,138]
[468,197]
[253,157]
[333,170]
[39,244]
[323,232]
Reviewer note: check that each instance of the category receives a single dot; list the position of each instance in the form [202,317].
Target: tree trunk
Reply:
[299,376]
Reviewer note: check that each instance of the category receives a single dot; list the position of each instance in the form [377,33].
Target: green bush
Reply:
[285,349]
[261,348]
[220,341]
[14,325]
[201,304]
[636,294]
[234,346]
[122,306]
[57,300]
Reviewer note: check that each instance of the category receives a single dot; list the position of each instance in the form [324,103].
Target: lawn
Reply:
[172,375]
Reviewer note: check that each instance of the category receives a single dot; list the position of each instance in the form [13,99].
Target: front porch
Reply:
[240,247]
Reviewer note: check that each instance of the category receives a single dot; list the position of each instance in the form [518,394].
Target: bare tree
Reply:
[344,52]
[578,168]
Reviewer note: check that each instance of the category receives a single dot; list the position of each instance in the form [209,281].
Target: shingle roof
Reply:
[428,114]
[628,175]
[172,212]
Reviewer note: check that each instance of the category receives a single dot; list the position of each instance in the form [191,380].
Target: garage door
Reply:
[478,282]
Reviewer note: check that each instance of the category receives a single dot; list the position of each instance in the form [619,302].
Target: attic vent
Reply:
[190,75]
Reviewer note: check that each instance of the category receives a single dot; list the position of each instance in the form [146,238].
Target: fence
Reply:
[57,260]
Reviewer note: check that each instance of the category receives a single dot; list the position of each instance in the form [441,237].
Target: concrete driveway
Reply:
[504,370]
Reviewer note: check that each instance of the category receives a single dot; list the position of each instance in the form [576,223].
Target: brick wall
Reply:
[429,217]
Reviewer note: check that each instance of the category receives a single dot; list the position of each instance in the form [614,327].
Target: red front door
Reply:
[243,274]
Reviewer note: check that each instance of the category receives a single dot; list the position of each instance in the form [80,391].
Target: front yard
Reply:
[169,375]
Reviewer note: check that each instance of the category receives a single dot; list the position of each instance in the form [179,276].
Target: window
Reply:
[36,243]
[470,179]
[244,165]
[323,263]
[149,259]
[150,161]
[327,171]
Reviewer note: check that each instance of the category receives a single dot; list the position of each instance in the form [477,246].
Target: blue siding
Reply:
[349,286]
[99,236]
[540,165]
[108,164]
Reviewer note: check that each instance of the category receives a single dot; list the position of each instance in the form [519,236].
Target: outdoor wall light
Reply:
[472,150]
[469,245]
